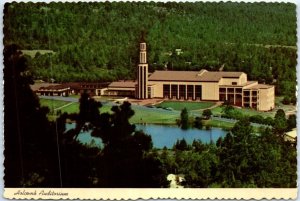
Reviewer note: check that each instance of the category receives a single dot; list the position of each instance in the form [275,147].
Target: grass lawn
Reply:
[74,108]
[71,108]
[244,111]
[53,103]
[177,105]
[251,112]
[142,114]
[154,117]
[217,123]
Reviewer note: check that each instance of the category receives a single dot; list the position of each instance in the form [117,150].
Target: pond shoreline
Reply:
[162,135]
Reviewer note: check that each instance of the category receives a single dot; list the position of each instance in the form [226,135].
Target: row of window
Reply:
[182,91]
[230,90]
[238,90]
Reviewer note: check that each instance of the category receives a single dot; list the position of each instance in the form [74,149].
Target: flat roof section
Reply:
[246,85]
[37,86]
[123,84]
[54,87]
[261,86]
[192,76]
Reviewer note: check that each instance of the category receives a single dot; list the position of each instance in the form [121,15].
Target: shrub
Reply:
[286,100]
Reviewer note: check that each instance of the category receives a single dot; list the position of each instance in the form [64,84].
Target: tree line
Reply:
[287,124]
[99,41]
[42,153]
[242,159]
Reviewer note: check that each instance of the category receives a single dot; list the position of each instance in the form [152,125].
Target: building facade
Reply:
[202,85]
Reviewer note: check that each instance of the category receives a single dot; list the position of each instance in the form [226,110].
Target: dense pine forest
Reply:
[99,41]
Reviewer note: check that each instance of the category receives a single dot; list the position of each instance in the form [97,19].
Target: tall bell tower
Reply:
[142,72]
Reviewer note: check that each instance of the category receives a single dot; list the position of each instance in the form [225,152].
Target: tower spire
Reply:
[142,71]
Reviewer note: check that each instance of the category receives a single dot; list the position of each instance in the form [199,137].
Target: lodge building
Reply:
[200,85]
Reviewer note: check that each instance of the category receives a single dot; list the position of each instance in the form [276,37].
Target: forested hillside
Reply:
[99,41]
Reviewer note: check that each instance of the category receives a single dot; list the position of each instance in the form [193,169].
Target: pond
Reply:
[162,135]
[167,135]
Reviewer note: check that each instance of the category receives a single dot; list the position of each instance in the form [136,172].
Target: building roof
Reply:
[37,86]
[261,86]
[202,76]
[123,84]
[86,85]
[54,87]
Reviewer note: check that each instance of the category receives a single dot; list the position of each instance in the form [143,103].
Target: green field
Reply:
[244,111]
[53,104]
[157,115]
[176,105]
[73,108]
[250,112]
[142,114]
[154,116]
[217,123]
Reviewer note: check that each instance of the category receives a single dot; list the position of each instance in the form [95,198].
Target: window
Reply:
[246,93]
[254,93]
[222,90]
[234,83]
[238,90]
[230,90]
[174,90]
[182,91]
[190,91]
[166,90]
[149,92]
[198,92]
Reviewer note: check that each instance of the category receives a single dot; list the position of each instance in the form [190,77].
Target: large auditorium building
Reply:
[200,85]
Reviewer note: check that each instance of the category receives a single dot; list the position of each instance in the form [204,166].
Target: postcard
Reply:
[150,100]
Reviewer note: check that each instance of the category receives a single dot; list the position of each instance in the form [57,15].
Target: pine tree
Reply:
[31,154]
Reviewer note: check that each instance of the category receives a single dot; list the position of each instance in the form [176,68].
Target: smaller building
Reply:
[56,90]
[120,88]
[92,88]
[65,89]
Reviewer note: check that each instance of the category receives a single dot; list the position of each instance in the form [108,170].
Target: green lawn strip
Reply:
[73,108]
[251,112]
[177,105]
[140,116]
[245,111]
[217,123]
[153,117]
[278,100]
[149,116]
[217,110]
[53,104]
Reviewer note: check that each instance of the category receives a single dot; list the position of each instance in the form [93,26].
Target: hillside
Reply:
[99,41]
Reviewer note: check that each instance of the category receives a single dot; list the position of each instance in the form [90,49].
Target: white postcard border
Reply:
[149,193]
